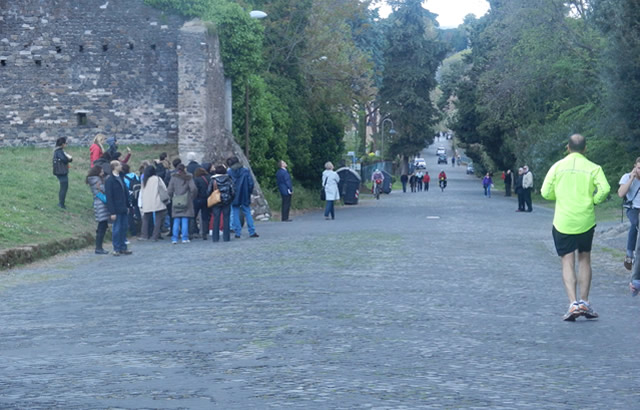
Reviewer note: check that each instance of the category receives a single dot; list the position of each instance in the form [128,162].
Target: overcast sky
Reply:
[450,12]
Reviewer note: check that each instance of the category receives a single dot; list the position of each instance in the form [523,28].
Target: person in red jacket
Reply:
[426,179]
[96,149]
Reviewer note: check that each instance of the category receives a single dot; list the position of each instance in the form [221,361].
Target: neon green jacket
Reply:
[576,184]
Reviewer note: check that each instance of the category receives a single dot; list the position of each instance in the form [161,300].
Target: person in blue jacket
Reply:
[283,179]
[117,195]
[243,183]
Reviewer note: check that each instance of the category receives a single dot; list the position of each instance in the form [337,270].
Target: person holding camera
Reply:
[628,190]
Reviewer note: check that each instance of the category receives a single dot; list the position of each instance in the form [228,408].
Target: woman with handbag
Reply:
[221,182]
[182,191]
[330,180]
[153,197]
[61,162]
[95,180]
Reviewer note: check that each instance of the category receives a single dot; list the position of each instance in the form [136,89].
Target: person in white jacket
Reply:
[153,194]
[330,180]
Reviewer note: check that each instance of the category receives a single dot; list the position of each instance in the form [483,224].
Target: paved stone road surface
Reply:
[427,300]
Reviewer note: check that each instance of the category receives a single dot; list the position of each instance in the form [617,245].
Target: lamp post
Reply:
[254,14]
[391,131]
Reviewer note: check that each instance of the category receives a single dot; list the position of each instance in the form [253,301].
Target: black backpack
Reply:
[134,189]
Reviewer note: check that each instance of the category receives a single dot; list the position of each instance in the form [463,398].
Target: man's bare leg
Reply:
[584,274]
[569,275]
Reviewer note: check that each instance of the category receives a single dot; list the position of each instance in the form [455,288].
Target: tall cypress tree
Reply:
[412,56]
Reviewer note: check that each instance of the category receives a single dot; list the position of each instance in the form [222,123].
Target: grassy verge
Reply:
[28,205]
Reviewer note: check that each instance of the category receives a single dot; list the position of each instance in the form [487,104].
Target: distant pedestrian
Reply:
[243,186]
[629,189]
[117,203]
[61,161]
[527,187]
[404,178]
[132,182]
[487,182]
[95,180]
[576,184]
[222,211]
[283,180]
[419,181]
[412,182]
[330,181]
[519,191]
[96,149]
[112,146]
[105,163]
[453,161]
[182,191]
[201,178]
[507,182]
[153,200]
[426,179]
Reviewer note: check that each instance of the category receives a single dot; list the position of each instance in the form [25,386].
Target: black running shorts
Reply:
[566,243]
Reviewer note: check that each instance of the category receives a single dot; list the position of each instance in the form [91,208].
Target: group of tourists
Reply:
[418,181]
[160,196]
[522,184]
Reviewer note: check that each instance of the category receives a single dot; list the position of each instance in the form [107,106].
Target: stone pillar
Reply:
[203,106]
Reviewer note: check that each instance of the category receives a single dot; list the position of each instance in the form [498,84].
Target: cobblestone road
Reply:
[427,300]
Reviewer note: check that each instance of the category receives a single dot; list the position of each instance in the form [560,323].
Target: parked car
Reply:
[420,163]
[441,151]
[442,159]
[470,169]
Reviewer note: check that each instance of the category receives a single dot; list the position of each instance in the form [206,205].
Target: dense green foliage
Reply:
[540,71]
[411,58]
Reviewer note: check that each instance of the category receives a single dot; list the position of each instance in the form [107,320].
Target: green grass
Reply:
[28,204]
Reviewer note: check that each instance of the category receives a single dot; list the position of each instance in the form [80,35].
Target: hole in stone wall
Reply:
[81,48]
[38,62]
[58,49]
[82,118]
[105,47]
[3,63]
[130,46]
[153,47]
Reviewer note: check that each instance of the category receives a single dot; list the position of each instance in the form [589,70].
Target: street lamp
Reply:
[392,131]
[257,15]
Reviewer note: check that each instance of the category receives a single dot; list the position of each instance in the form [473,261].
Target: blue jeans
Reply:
[487,191]
[632,215]
[246,210]
[180,224]
[119,232]
[330,210]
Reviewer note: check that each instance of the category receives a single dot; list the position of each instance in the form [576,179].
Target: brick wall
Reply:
[75,68]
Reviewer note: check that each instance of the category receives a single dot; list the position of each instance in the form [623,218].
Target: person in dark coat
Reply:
[105,163]
[243,184]
[223,182]
[283,179]
[112,146]
[61,162]
[118,204]
[201,178]
[404,179]
[181,185]
[193,164]
[95,180]
[507,183]
[519,191]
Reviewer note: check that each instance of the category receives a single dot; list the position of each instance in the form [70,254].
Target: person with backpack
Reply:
[182,190]
[243,185]
[132,182]
[628,190]
[221,181]
[61,162]
[201,179]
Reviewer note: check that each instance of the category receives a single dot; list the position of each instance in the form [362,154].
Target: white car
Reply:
[420,163]
[441,151]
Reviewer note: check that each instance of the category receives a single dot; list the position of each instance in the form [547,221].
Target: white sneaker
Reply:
[186,241]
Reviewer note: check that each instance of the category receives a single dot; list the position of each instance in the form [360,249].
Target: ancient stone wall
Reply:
[73,68]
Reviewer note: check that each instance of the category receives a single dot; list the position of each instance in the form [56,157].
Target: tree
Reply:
[411,56]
